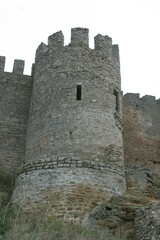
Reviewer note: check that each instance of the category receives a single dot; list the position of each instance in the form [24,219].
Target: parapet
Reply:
[115,52]
[56,40]
[2,63]
[18,66]
[41,50]
[131,96]
[158,101]
[103,44]
[79,37]
[133,99]
[148,99]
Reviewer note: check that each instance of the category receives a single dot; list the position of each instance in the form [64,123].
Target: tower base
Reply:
[66,188]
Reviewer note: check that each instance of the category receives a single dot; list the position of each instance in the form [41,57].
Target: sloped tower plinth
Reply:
[74,147]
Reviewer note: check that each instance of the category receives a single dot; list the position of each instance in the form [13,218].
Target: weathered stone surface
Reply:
[15,95]
[118,214]
[74,161]
[65,190]
[141,131]
[58,123]
[141,118]
[147,222]
[142,144]
[75,126]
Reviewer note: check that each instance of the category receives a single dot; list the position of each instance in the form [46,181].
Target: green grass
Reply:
[55,231]
[6,213]
[6,182]
[6,219]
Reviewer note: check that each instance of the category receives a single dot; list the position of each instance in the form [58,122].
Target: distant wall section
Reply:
[141,118]
[141,131]
[15,94]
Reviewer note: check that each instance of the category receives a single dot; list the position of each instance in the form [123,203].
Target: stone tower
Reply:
[74,146]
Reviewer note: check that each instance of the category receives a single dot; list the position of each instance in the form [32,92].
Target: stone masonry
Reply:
[147,222]
[15,96]
[73,144]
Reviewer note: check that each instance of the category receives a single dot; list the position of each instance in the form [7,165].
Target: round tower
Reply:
[74,146]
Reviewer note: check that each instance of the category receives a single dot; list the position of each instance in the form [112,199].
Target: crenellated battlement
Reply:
[115,52]
[56,40]
[2,63]
[80,39]
[103,44]
[41,50]
[133,99]
[18,66]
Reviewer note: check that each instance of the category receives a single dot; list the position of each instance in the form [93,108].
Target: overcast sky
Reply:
[132,24]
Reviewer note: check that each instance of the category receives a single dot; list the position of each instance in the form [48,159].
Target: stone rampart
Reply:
[141,118]
[15,94]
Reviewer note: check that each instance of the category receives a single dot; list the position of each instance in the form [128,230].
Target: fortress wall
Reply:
[141,117]
[15,93]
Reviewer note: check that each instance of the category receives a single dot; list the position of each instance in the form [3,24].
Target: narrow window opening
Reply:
[79,92]
[117,100]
